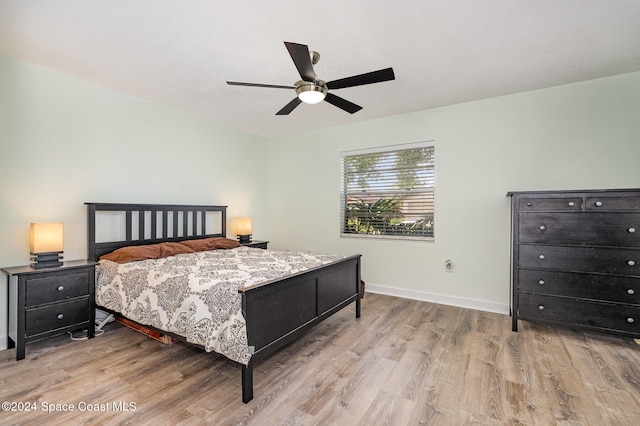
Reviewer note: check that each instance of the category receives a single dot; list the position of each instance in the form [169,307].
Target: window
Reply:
[389,192]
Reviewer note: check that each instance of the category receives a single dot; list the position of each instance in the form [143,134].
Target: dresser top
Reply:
[576,191]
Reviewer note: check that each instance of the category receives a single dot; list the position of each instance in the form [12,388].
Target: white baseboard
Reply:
[4,342]
[481,305]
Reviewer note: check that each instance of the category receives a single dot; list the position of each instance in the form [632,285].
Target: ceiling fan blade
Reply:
[274,86]
[358,80]
[302,59]
[342,103]
[289,107]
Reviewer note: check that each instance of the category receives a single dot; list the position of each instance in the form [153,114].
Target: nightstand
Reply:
[50,301]
[256,244]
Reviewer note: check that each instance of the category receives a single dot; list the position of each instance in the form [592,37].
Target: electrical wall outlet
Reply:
[448,265]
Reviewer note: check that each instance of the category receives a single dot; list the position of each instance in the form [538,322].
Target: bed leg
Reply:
[358,306]
[247,382]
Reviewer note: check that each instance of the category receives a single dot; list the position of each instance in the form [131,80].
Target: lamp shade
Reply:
[46,238]
[244,226]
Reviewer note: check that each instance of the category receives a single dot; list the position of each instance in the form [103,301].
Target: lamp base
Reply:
[46,260]
[244,239]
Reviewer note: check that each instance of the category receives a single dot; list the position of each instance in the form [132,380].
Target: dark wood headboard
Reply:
[153,223]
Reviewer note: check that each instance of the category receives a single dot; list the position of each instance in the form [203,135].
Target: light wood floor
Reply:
[403,362]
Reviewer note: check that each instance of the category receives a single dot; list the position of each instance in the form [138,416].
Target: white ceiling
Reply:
[180,53]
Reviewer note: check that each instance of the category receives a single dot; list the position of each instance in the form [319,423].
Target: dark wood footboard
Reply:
[277,312]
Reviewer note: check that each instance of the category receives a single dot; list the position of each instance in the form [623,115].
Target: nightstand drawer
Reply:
[55,288]
[52,317]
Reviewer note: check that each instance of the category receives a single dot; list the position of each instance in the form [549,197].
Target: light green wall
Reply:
[64,141]
[577,136]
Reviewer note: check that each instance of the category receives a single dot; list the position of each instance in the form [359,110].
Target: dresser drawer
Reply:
[546,204]
[54,288]
[580,312]
[587,286]
[580,259]
[602,202]
[52,317]
[608,229]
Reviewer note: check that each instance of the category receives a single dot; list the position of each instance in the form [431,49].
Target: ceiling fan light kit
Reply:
[311,93]
[311,90]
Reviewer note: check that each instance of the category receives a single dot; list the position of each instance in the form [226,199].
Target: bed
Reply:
[273,312]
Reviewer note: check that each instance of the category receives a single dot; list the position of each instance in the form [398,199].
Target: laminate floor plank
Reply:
[516,359]
[409,374]
[404,362]
[484,387]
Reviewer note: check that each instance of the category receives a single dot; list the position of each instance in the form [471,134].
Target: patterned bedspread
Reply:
[196,294]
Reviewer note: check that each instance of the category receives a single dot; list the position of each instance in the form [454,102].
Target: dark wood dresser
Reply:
[576,259]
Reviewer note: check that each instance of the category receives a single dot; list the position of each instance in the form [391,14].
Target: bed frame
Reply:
[299,301]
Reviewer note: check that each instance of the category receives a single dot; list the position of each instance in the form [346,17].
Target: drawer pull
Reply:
[542,227]
[630,291]
[541,282]
[528,204]
[60,316]
[541,307]
[60,287]
[631,263]
[630,320]
[631,230]
[571,204]
[598,203]
[541,257]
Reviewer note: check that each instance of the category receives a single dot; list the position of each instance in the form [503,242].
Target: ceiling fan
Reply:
[312,90]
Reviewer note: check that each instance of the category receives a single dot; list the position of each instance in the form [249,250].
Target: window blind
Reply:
[389,192]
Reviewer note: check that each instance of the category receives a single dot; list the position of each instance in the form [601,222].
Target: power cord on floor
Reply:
[99,331]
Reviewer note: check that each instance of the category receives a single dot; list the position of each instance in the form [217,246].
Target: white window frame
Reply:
[429,191]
